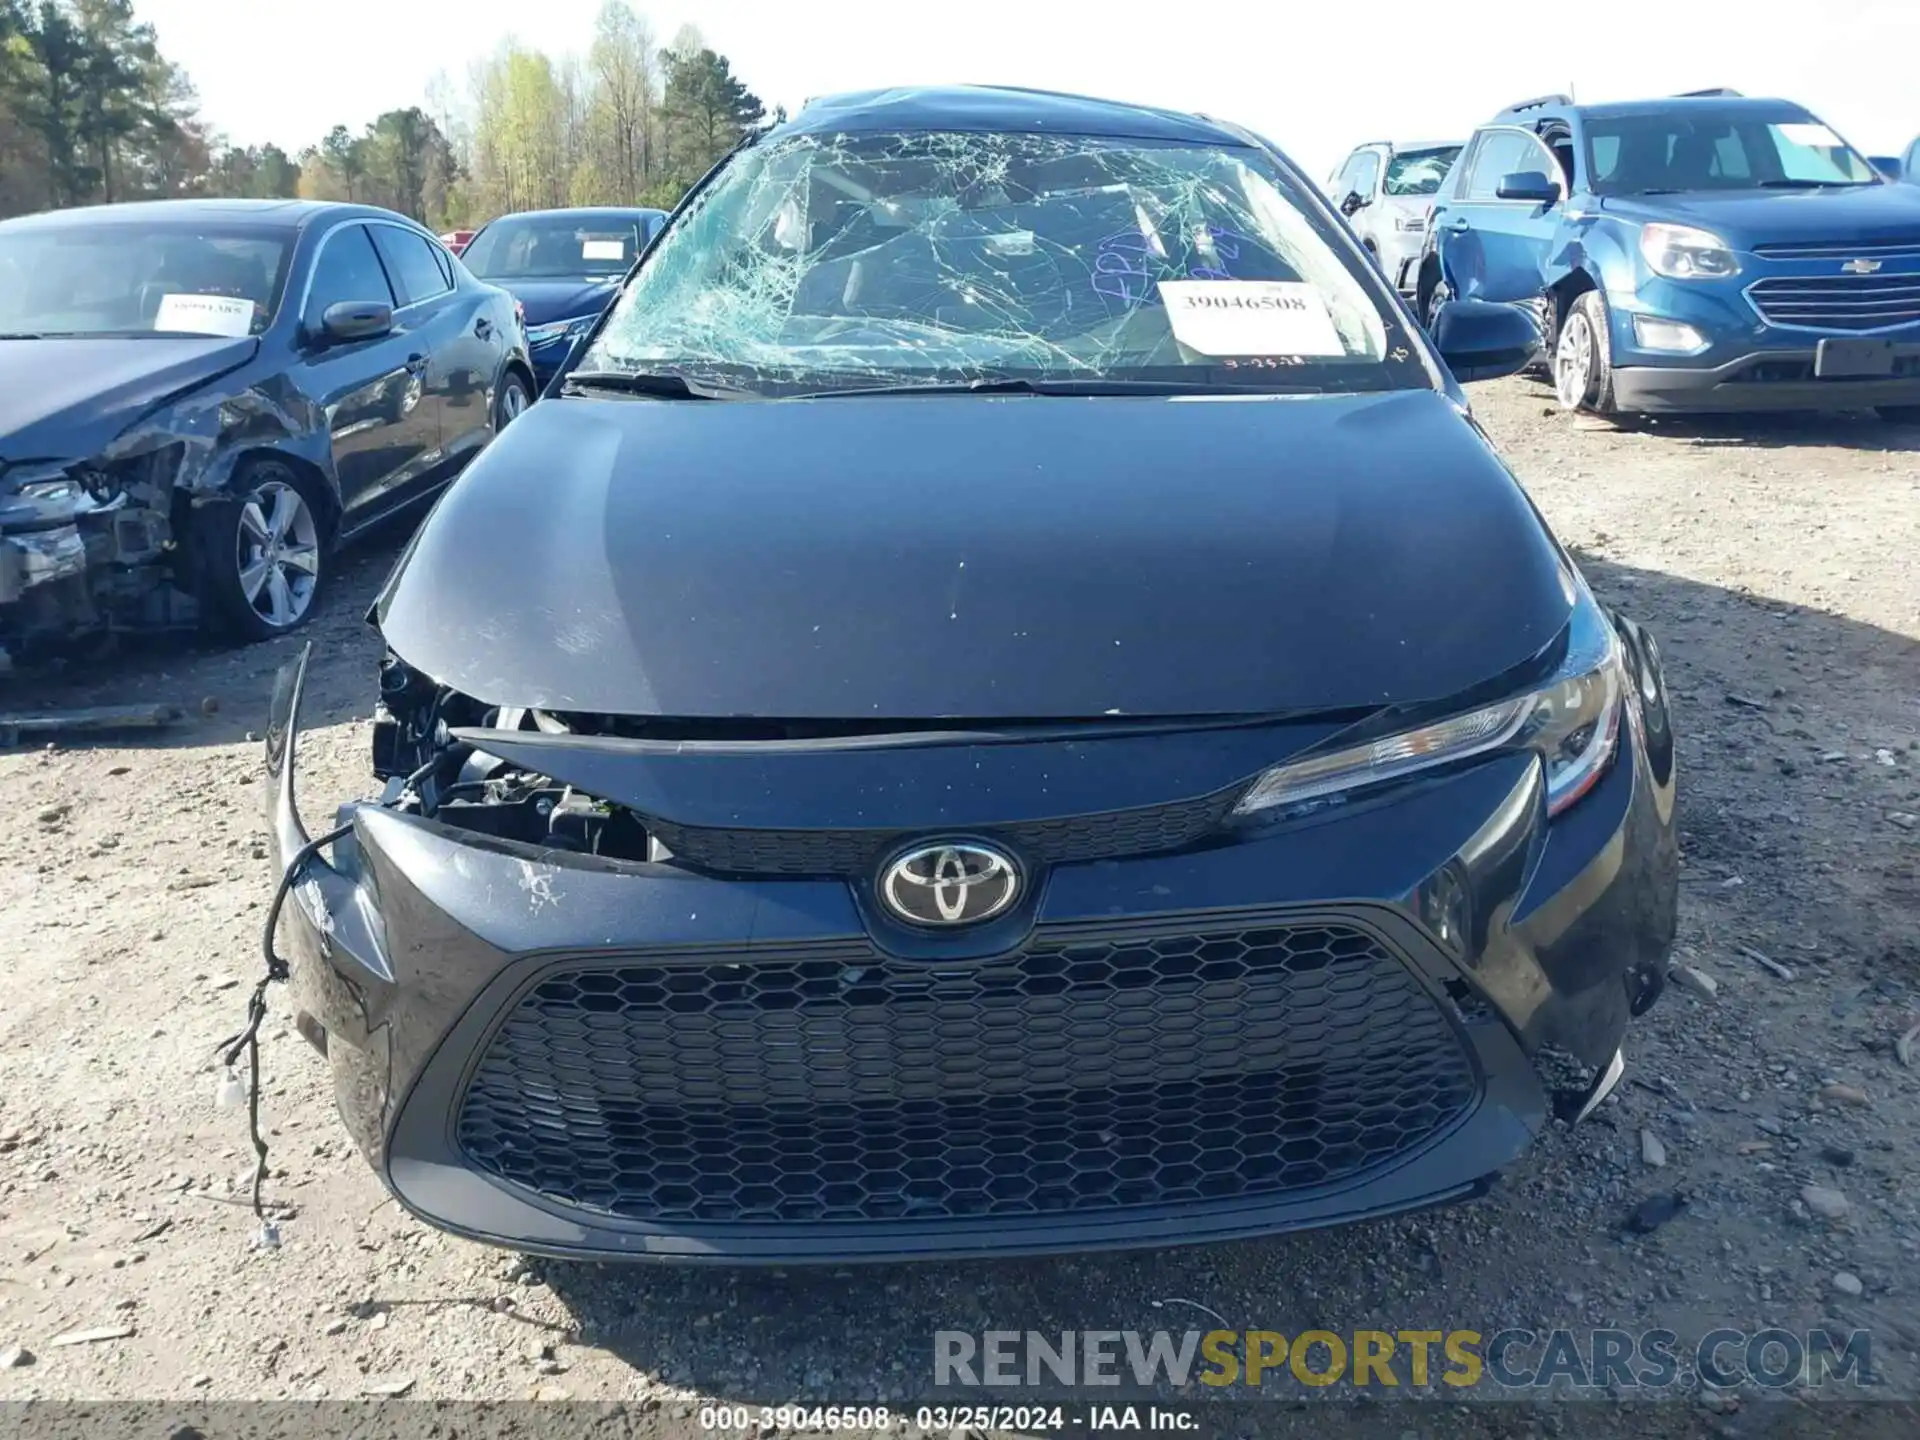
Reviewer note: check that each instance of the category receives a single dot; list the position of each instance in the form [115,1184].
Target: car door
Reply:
[1363,180]
[473,357]
[364,386]
[1494,249]
[432,317]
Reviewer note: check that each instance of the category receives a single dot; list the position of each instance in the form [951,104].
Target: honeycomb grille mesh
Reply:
[1077,1076]
[1149,830]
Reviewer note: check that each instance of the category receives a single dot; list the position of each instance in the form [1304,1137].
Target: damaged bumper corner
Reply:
[39,557]
[330,928]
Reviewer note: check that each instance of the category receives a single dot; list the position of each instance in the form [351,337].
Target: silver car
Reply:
[1385,189]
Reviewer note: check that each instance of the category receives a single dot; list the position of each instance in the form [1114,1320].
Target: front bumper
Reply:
[1747,363]
[1775,379]
[508,1026]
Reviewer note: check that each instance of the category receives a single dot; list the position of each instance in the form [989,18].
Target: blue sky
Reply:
[1315,77]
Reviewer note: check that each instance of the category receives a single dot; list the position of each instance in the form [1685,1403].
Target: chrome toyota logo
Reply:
[1861,267]
[956,883]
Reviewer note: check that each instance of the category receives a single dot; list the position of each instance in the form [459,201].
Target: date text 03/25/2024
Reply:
[945,1419]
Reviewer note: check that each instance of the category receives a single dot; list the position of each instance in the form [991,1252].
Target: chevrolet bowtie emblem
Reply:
[1861,267]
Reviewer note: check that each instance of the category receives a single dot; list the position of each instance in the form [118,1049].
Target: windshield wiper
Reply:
[1091,386]
[20,335]
[639,382]
[1812,184]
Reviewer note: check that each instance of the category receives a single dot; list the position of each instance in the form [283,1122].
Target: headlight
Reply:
[1573,724]
[1410,225]
[560,330]
[1681,252]
[50,497]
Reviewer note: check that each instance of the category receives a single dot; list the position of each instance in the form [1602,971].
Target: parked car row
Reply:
[199,400]
[1701,252]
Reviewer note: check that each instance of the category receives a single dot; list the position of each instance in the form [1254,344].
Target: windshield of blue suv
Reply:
[842,261]
[1656,154]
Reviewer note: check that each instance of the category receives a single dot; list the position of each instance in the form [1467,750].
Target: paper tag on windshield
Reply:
[205,314]
[602,249]
[1250,317]
[1818,137]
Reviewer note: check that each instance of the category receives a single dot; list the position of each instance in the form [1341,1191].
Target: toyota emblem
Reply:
[952,883]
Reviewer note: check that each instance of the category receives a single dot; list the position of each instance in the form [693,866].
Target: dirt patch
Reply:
[1777,561]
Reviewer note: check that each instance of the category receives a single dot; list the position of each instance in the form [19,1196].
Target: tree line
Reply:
[91,112]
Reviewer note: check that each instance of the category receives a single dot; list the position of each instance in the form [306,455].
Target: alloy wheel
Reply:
[513,400]
[278,552]
[1573,362]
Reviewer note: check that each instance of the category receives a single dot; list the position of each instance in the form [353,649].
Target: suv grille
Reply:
[1083,1074]
[1838,302]
[1841,250]
[1112,835]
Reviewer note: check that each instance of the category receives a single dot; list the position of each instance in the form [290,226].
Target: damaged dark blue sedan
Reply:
[1004,706]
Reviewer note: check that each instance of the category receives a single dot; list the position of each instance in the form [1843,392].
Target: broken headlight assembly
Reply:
[34,497]
[1572,723]
[434,773]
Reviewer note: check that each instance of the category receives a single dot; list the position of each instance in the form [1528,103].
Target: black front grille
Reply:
[1109,835]
[833,1084]
[1838,302]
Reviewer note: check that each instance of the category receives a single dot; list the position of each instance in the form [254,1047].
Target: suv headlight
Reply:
[1572,723]
[1680,252]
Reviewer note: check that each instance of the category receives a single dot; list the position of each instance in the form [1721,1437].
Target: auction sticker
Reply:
[1250,317]
[602,249]
[205,314]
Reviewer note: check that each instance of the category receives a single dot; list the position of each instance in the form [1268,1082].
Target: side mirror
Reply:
[351,320]
[1352,202]
[1887,165]
[1484,341]
[1529,185]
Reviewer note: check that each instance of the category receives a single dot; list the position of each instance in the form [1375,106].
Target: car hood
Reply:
[968,556]
[1746,218]
[549,300]
[67,399]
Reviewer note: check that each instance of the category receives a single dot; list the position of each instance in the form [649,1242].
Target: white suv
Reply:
[1385,190]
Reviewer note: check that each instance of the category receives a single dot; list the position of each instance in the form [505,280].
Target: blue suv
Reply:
[1705,252]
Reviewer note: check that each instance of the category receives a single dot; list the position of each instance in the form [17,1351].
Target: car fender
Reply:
[191,450]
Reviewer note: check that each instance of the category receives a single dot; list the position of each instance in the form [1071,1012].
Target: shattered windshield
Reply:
[1420,172]
[862,261]
[81,279]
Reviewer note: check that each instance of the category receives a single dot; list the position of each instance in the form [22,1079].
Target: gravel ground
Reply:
[1777,560]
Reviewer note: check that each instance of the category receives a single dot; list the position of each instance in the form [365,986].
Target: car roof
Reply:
[999,108]
[267,214]
[608,212]
[1680,104]
[1755,106]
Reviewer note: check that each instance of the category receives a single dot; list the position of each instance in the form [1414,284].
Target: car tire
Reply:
[511,400]
[1583,357]
[261,553]
[1899,414]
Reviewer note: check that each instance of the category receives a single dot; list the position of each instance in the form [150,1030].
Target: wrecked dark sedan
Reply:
[199,399]
[1004,706]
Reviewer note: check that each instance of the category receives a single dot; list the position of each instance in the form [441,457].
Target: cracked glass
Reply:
[859,261]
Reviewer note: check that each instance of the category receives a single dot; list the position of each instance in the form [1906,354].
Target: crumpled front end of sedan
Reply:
[581,1026]
[1153,801]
